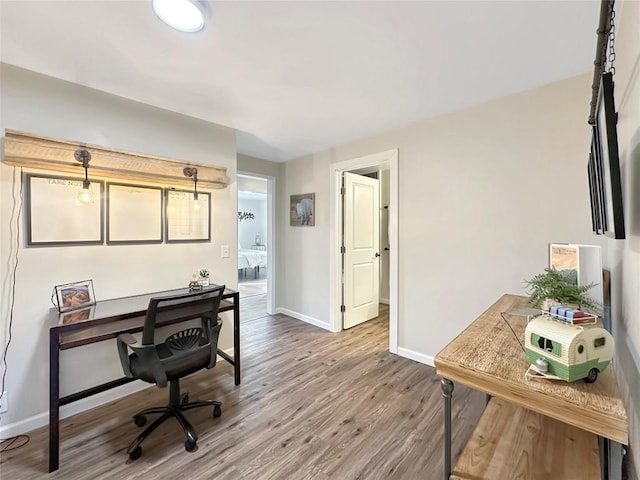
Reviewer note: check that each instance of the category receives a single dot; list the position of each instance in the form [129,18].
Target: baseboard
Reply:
[304,318]
[42,419]
[418,357]
[384,300]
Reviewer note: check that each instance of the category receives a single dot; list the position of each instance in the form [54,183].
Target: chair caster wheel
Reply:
[140,420]
[184,399]
[135,453]
[189,446]
[217,411]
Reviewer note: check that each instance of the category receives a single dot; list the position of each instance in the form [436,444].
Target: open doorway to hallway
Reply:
[253,245]
[383,166]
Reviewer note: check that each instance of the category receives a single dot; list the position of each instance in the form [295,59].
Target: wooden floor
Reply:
[253,294]
[253,307]
[312,405]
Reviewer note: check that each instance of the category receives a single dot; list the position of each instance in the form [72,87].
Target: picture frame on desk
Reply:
[73,296]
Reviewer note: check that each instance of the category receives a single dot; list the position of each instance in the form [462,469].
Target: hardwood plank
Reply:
[515,443]
[312,405]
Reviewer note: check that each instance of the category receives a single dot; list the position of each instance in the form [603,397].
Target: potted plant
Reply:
[559,286]
[204,277]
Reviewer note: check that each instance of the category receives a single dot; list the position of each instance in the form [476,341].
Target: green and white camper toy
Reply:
[560,350]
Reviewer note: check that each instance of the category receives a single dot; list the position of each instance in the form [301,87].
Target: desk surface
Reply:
[125,307]
[487,357]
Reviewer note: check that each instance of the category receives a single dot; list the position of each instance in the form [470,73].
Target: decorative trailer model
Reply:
[558,349]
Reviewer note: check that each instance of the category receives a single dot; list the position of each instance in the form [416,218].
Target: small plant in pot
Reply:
[559,286]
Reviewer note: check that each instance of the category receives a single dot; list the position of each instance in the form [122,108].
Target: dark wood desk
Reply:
[103,321]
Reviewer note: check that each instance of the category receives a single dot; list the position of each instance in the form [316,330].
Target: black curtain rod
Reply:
[604,28]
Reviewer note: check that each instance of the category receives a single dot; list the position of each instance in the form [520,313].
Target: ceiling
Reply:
[298,77]
[252,187]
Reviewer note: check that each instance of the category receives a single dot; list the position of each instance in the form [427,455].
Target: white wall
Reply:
[45,106]
[249,228]
[623,256]
[304,276]
[477,208]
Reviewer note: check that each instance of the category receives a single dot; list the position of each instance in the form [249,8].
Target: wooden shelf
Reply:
[487,357]
[511,442]
[31,151]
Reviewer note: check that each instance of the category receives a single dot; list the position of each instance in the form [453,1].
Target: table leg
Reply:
[447,393]
[615,460]
[610,459]
[54,399]
[236,338]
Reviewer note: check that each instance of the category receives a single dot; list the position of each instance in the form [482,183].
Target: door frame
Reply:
[271,236]
[388,158]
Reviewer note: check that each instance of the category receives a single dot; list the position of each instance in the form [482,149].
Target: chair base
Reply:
[177,404]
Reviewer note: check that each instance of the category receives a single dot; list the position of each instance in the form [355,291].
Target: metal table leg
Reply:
[447,393]
[54,399]
[611,454]
[236,337]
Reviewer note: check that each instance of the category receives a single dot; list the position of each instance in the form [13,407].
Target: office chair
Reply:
[181,354]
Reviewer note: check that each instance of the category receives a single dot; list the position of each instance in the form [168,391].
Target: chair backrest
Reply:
[182,307]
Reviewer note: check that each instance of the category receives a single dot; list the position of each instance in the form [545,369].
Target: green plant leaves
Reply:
[558,285]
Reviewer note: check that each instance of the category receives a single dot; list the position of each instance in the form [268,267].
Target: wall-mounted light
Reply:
[193,172]
[85,195]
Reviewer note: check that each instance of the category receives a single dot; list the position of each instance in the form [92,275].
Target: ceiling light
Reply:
[183,15]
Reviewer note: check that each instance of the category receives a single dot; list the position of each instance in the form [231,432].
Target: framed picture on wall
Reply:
[134,214]
[187,220]
[55,216]
[302,210]
[607,141]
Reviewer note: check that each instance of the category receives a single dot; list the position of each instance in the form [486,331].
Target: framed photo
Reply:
[186,220]
[134,214]
[72,296]
[607,139]
[596,187]
[593,196]
[302,211]
[54,215]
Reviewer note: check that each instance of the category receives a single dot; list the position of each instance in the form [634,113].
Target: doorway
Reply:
[384,161]
[255,245]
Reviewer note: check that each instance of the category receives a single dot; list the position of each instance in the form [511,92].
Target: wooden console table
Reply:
[104,321]
[487,357]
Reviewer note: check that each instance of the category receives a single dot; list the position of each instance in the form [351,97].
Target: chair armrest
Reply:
[211,326]
[147,355]
[124,341]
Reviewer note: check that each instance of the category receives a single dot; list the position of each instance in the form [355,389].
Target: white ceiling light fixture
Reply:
[184,15]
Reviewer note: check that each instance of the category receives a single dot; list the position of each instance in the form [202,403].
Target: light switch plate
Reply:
[224,251]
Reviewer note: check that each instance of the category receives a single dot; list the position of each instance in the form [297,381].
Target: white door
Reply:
[361,259]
